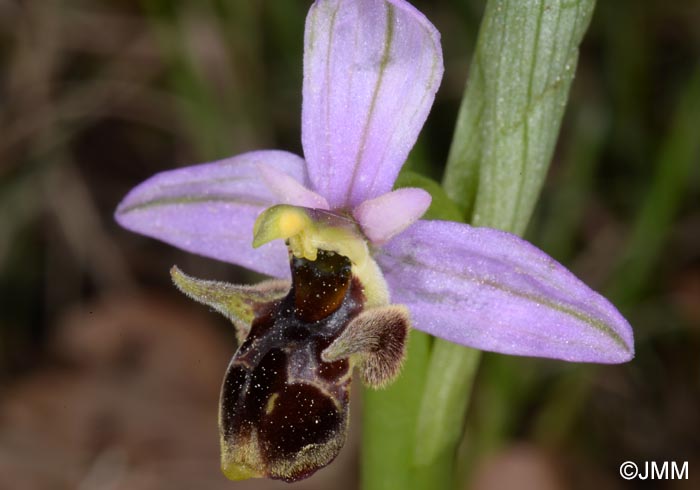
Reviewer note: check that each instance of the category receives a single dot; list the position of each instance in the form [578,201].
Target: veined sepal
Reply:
[239,304]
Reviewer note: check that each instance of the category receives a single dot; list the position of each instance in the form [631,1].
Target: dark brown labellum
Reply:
[284,410]
[284,400]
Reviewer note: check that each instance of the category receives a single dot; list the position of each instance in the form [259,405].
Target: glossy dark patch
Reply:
[247,391]
[320,286]
[301,415]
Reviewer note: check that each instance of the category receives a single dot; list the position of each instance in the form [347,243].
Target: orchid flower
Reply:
[364,267]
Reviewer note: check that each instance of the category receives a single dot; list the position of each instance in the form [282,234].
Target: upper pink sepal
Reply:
[371,70]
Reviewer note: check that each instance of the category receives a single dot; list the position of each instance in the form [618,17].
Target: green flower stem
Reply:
[447,391]
[391,426]
[389,423]
[508,124]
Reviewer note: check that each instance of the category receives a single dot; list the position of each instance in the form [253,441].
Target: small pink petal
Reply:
[288,190]
[385,216]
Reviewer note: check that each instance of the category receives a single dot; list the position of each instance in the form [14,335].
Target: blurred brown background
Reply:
[109,378]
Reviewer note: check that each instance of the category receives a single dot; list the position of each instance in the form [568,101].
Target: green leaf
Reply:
[510,116]
[507,128]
